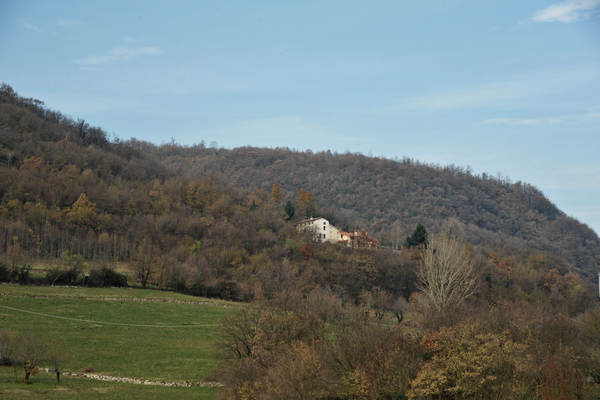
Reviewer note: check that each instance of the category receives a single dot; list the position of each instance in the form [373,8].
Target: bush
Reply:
[22,274]
[197,289]
[106,276]
[225,290]
[178,283]
[70,276]
[4,273]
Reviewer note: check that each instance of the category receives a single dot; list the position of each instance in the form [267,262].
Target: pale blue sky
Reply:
[510,87]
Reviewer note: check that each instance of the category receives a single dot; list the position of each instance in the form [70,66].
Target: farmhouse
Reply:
[325,232]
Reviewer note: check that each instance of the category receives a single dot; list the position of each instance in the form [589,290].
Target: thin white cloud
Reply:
[521,121]
[32,27]
[120,53]
[567,11]
[496,94]
[508,121]
[67,22]
[129,40]
[467,98]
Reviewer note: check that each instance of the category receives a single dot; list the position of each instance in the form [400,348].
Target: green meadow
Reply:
[122,332]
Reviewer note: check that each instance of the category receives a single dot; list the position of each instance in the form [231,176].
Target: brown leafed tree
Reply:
[56,358]
[83,211]
[276,194]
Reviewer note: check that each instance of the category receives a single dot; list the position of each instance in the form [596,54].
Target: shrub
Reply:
[70,276]
[106,276]
[226,290]
[4,273]
[22,274]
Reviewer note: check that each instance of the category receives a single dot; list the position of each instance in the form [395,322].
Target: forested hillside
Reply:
[389,198]
[48,160]
[59,158]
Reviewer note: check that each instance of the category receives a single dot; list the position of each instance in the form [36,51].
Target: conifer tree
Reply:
[419,237]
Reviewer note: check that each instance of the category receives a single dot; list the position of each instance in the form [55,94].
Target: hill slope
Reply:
[48,160]
[390,197]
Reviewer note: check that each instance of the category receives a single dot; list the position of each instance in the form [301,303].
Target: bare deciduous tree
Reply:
[56,358]
[7,348]
[147,261]
[446,273]
[33,351]
[396,234]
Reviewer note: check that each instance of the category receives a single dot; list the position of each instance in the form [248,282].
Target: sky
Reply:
[510,88]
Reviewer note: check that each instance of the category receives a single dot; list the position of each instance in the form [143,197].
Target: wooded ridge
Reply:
[389,198]
[49,160]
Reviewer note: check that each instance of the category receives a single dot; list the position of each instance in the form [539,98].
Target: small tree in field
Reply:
[32,352]
[56,358]
[147,261]
[7,348]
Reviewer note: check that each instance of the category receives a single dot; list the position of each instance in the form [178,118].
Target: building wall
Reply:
[323,230]
[333,233]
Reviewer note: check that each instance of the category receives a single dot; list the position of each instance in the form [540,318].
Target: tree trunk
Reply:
[399,316]
[30,369]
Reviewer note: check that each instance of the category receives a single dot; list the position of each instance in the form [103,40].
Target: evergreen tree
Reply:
[289,209]
[418,237]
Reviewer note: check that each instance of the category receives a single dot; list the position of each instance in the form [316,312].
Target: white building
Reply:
[322,229]
[325,232]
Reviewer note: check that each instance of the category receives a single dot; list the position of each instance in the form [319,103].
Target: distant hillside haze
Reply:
[387,198]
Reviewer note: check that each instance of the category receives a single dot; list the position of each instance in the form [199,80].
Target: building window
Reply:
[324,228]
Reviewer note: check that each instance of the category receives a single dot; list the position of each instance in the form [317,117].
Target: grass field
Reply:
[45,387]
[122,332]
